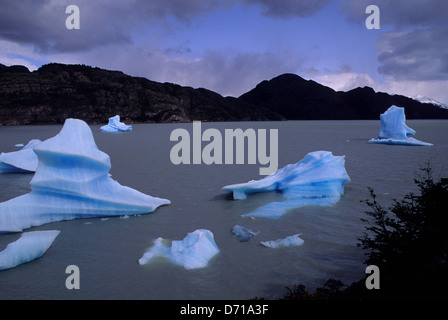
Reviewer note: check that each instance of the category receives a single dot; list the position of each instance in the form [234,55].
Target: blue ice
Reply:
[193,252]
[30,246]
[317,179]
[291,241]
[72,181]
[24,160]
[115,125]
[242,233]
[394,130]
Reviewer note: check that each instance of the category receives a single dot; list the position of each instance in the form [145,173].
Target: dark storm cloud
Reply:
[235,74]
[399,13]
[41,23]
[415,55]
[417,47]
[289,8]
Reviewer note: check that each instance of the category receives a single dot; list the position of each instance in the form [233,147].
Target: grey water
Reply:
[106,251]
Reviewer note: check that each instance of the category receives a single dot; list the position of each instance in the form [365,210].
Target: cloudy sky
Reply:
[229,46]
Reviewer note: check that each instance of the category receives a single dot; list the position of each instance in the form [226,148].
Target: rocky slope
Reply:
[55,92]
[298,99]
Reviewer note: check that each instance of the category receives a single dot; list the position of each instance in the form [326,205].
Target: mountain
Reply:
[298,99]
[424,99]
[55,92]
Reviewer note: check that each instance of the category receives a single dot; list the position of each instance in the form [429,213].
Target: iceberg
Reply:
[30,246]
[115,125]
[193,252]
[317,179]
[291,241]
[24,160]
[72,181]
[394,130]
[242,233]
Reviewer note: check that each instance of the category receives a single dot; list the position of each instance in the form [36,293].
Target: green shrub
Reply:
[408,241]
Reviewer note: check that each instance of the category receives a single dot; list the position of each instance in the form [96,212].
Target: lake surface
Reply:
[107,250]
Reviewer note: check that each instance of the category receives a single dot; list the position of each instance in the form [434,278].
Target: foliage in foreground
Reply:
[407,241]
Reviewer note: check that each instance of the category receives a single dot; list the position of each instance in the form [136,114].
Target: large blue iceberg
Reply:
[24,160]
[193,252]
[72,181]
[394,129]
[115,125]
[30,246]
[317,179]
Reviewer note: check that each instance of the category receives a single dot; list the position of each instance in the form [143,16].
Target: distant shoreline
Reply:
[56,92]
[208,121]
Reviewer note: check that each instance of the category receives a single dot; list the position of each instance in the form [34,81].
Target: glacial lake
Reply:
[107,251]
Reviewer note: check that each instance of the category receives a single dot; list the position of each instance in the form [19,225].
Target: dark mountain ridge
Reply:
[55,92]
[298,99]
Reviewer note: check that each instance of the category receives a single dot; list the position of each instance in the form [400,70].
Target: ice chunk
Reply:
[24,160]
[318,174]
[276,210]
[243,234]
[393,124]
[394,130]
[72,181]
[30,246]
[404,142]
[291,241]
[194,251]
[115,125]
[317,179]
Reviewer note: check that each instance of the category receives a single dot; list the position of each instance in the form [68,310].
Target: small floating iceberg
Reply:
[30,246]
[317,179]
[194,251]
[242,233]
[394,130]
[24,160]
[115,125]
[291,241]
[72,181]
